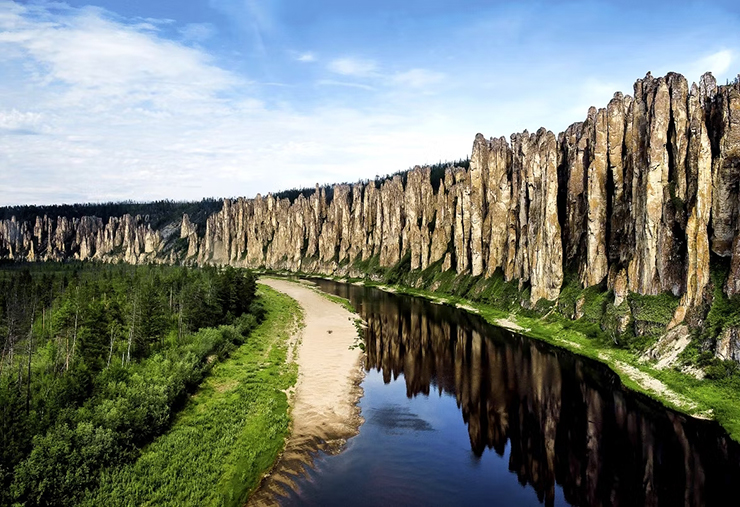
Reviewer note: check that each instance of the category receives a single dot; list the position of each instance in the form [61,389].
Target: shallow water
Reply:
[458,412]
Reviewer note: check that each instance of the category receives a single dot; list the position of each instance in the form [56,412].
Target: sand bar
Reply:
[324,406]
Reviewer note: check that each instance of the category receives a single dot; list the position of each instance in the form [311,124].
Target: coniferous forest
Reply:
[97,359]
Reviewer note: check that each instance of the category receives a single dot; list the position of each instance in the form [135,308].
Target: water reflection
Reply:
[567,419]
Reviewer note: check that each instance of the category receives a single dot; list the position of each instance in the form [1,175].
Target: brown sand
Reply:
[324,406]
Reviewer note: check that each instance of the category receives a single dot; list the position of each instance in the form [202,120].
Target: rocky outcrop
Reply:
[728,345]
[127,238]
[636,196]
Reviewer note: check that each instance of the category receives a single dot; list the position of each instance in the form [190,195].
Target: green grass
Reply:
[230,432]
[340,301]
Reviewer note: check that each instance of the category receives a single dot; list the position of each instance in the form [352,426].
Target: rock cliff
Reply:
[638,194]
[127,238]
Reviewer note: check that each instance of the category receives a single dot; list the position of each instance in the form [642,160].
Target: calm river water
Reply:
[458,412]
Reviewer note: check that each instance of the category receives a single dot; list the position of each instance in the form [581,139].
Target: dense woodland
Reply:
[95,361]
[159,213]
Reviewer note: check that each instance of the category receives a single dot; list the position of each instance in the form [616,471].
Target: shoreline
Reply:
[635,375]
[678,391]
[324,403]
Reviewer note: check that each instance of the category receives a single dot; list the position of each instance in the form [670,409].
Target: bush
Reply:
[64,464]
[722,370]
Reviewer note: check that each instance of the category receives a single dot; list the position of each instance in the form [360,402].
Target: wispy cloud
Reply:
[418,78]
[355,67]
[87,52]
[306,57]
[198,32]
[124,113]
[332,82]
[254,17]
[718,63]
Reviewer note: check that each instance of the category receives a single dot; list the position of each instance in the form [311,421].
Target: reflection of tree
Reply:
[567,420]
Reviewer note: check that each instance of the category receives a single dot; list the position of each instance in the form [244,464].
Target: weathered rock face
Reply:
[728,345]
[648,208]
[126,238]
[637,195]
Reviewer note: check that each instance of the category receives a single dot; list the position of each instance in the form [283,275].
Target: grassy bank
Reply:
[230,432]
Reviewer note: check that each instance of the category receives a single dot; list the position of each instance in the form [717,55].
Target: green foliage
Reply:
[63,464]
[724,370]
[157,213]
[724,311]
[227,436]
[97,359]
[293,194]
[371,265]
[595,300]
[654,309]
[399,270]
[494,290]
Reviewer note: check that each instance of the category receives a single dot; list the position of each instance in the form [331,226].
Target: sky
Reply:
[109,100]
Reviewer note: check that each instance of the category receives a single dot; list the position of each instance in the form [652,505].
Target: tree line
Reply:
[436,176]
[159,212]
[95,359]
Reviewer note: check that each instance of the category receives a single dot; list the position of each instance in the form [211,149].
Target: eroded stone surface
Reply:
[638,194]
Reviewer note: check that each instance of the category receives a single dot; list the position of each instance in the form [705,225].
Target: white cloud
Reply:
[119,112]
[418,78]
[306,57]
[198,32]
[355,67]
[88,53]
[717,63]
[17,120]
[333,82]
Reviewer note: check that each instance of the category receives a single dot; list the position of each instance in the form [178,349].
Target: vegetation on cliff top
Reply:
[436,176]
[160,213]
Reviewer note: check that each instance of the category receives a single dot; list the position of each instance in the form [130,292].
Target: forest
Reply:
[96,359]
[159,213]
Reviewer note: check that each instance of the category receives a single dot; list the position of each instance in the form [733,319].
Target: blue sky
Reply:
[144,100]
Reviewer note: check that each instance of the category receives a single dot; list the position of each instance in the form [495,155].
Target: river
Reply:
[459,412]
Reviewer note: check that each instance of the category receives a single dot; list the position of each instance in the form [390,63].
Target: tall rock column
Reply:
[652,113]
[478,173]
[618,238]
[463,215]
[595,267]
[499,202]
[699,200]
[539,256]
[728,175]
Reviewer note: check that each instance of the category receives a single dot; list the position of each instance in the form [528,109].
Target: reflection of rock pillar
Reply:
[460,384]
[594,414]
[411,366]
[648,453]
[476,367]
[498,414]
[694,471]
[475,405]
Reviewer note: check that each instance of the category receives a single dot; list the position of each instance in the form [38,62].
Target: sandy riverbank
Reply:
[324,405]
